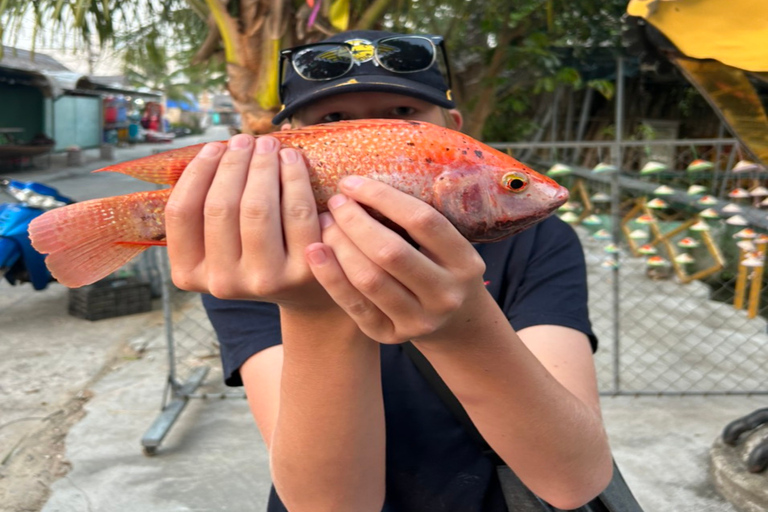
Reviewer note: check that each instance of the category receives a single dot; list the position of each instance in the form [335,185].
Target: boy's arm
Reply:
[533,396]
[317,402]
[567,355]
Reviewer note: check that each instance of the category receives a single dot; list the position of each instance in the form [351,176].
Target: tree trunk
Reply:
[486,93]
[242,86]
[250,47]
[372,15]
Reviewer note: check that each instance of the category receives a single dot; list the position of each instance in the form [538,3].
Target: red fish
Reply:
[485,193]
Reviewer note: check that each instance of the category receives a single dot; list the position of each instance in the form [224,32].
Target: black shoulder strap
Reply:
[449,399]
[516,495]
[617,497]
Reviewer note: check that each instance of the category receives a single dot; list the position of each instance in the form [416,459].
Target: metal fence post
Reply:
[179,393]
[616,214]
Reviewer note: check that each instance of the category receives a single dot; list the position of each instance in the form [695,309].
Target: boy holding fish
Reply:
[311,308]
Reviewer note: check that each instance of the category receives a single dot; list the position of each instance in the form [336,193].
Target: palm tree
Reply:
[148,62]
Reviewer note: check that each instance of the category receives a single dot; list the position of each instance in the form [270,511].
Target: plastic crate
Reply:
[110,298]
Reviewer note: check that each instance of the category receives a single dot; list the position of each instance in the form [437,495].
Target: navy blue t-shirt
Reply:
[537,277]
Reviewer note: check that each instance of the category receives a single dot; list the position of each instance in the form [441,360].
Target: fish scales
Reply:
[369,150]
[366,152]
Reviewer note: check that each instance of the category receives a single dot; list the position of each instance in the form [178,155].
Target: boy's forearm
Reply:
[549,437]
[328,446]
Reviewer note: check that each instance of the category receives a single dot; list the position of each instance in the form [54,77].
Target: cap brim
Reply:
[368,83]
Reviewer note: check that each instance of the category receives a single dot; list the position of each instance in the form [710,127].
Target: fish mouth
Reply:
[560,198]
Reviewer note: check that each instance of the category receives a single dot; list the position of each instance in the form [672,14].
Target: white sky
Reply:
[105,62]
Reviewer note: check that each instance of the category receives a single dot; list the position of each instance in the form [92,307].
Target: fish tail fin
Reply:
[161,168]
[87,241]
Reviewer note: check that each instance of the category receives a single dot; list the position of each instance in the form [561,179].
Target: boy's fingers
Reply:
[383,290]
[428,227]
[260,223]
[298,206]
[326,269]
[222,205]
[184,211]
[384,247]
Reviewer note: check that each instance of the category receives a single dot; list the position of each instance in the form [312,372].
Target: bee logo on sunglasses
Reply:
[362,50]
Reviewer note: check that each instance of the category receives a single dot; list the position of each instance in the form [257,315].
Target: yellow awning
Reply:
[734,32]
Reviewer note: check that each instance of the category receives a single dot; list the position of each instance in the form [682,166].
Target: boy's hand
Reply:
[393,291]
[238,221]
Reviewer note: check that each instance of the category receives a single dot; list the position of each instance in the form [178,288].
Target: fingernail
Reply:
[240,141]
[265,144]
[317,256]
[210,149]
[289,156]
[352,182]
[326,219]
[337,201]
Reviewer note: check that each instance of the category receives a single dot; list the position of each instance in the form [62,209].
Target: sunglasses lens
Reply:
[405,54]
[322,62]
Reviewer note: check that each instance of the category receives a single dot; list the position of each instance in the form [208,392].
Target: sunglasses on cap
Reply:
[331,60]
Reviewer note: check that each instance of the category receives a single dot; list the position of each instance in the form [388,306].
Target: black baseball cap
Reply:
[427,85]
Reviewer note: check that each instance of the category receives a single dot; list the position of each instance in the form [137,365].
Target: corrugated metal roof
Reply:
[43,71]
[54,78]
[15,58]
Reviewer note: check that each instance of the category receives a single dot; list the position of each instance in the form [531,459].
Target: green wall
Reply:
[77,122]
[21,107]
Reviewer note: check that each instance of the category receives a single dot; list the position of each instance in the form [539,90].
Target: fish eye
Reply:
[515,182]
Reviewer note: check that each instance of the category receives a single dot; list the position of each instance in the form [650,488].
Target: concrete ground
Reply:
[77,396]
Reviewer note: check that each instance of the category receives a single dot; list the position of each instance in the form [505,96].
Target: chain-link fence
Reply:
[194,370]
[675,250]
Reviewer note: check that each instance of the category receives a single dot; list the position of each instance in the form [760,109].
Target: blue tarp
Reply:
[190,105]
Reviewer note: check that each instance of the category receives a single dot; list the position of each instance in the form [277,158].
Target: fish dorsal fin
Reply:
[351,125]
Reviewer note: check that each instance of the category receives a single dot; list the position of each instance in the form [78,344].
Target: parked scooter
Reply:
[19,261]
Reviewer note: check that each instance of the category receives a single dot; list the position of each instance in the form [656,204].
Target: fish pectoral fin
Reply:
[143,243]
